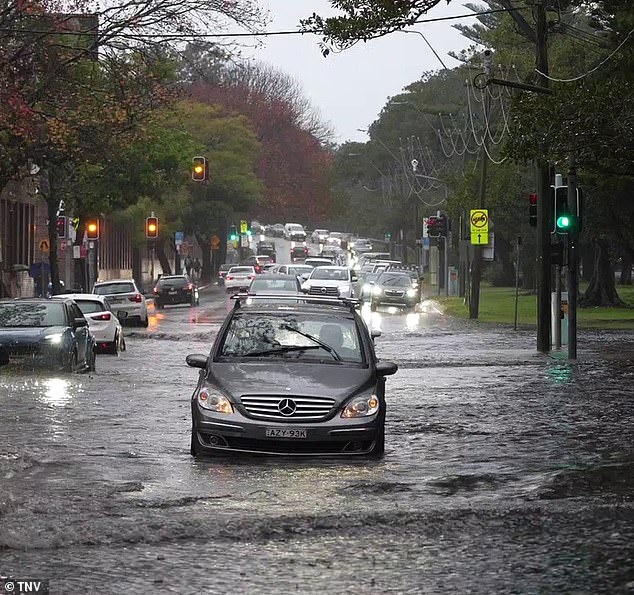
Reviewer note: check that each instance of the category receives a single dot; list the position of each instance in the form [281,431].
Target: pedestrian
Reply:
[188,265]
[197,268]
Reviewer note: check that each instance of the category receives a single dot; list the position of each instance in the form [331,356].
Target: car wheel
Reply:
[92,364]
[122,345]
[379,445]
[158,305]
[194,448]
[114,349]
[145,323]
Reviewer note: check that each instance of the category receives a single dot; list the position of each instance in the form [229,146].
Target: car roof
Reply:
[112,281]
[80,296]
[264,307]
[32,300]
[273,276]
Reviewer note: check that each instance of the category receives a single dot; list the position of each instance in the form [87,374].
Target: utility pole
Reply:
[476,265]
[573,280]
[543,193]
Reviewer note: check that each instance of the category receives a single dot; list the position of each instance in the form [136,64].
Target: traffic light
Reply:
[92,229]
[61,227]
[443,225]
[557,254]
[564,216]
[532,210]
[433,227]
[151,227]
[199,169]
[233,233]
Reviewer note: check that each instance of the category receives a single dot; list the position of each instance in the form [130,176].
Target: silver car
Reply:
[330,281]
[127,301]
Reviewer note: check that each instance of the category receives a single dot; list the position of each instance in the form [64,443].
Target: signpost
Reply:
[44,246]
[215,242]
[479,219]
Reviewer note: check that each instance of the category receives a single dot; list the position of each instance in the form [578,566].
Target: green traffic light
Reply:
[564,222]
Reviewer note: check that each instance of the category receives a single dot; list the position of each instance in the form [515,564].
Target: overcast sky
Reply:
[350,88]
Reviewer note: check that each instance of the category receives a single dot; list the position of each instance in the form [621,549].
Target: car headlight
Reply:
[367,288]
[55,339]
[305,286]
[214,401]
[411,293]
[344,288]
[361,406]
[377,291]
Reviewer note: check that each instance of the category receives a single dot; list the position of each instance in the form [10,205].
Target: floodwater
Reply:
[506,471]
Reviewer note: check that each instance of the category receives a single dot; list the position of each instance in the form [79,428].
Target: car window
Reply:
[251,333]
[248,270]
[394,280]
[114,288]
[274,285]
[325,273]
[75,311]
[90,306]
[27,314]
[172,282]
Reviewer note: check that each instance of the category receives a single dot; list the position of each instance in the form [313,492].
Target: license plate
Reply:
[121,314]
[172,292]
[284,433]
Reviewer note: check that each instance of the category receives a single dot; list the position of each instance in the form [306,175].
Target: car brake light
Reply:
[156,290]
[104,316]
[250,277]
[190,286]
[136,298]
[229,277]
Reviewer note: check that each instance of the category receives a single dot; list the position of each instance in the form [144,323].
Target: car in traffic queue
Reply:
[257,262]
[102,322]
[239,278]
[276,230]
[318,261]
[267,249]
[330,281]
[297,270]
[366,284]
[51,333]
[361,245]
[175,289]
[294,232]
[395,289]
[294,378]
[271,283]
[319,236]
[126,298]
[222,273]
[299,253]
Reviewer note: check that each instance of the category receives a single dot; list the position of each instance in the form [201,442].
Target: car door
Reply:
[82,334]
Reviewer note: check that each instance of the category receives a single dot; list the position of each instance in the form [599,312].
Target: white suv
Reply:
[128,303]
[294,232]
[330,282]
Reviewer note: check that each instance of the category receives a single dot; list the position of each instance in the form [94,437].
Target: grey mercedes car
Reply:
[294,378]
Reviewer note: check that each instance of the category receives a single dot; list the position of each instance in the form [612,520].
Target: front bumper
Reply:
[236,433]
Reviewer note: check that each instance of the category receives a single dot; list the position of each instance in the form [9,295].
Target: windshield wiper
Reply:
[327,347]
[281,349]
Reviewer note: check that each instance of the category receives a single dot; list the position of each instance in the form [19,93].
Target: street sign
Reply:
[76,222]
[479,219]
[479,238]
[244,241]
[44,246]
[215,242]
[244,226]
[179,236]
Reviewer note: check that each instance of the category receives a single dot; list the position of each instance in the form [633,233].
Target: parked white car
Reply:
[330,281]
[239,277]
[127,301]
[103,324]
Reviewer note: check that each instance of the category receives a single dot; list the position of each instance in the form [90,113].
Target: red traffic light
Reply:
[199,169]
[92,229]
[61,227]
[532,210]
[151,227]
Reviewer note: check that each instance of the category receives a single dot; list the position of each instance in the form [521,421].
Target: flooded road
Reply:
[506,471]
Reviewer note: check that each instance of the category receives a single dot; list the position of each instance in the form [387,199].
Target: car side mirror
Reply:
[386,368]
[353,277]
[375,334]
[197,360]
[79,322]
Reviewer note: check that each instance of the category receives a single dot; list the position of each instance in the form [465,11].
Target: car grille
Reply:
[314,290]
[287,408]
[393,293]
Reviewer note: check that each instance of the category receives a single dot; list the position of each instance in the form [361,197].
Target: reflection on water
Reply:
[56,392]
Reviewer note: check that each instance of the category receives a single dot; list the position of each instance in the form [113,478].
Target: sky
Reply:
[350,88]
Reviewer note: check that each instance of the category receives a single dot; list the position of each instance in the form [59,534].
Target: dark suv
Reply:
[292,376]
[175,289]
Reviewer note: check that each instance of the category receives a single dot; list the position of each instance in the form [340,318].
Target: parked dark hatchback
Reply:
[44,332]
[293,378]
[175,289]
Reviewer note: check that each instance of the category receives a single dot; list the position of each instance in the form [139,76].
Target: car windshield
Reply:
[241,270]
[284,335]
[172,282]
[113,288]
[295,228]
[369,277]
[25,314]
[328,274]
[392,280]
[90,306]
[299,270]
[264,285]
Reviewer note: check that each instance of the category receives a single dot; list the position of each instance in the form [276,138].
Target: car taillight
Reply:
[190,286]
[222,273]
[104,316]
[229,277]
[251,277]
[258,269]
[156,290]
[136,298]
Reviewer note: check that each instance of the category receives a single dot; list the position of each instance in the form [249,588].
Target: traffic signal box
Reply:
[233,233]
[532,210]
[152,228]
[92,229]
[438,226]
[568,217]
[61,227]
[199,169]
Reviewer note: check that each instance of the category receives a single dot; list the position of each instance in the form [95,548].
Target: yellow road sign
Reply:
[243,226]
[44,246]
[479,219]
[479,238]
[215,242]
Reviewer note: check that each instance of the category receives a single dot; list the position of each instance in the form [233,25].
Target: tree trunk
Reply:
[626,270]
[160,253]
[205,273]
[602,289]
[52,204]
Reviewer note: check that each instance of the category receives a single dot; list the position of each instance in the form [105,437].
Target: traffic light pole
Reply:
[68,257]
[573,280]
